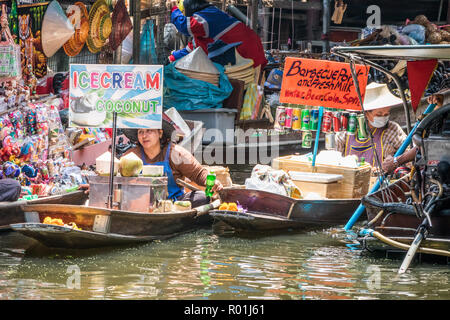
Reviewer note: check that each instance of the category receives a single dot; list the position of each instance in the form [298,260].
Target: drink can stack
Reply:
[314,120]
[362,130]
[296,119]
[288,119]
[352,124]
[280,118]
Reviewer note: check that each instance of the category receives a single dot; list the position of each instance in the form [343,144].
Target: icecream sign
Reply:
[134,92]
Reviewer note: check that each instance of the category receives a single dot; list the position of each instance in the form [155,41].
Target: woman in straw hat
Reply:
[206,24]
[387,135]
[155,146]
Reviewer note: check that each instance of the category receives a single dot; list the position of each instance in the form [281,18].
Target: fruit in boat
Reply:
[130,165]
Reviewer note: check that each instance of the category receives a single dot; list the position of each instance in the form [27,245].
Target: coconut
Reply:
[103,164]
[435,38]
[130,165]
[421,19]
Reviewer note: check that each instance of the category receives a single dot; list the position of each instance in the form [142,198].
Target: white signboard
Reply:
[134,92]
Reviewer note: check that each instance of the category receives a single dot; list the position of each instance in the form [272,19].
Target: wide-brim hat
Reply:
[76,42]
[241,64]
[196,61]
[132,134]
[56,29]
[121,25]
[100,26]
[378,96]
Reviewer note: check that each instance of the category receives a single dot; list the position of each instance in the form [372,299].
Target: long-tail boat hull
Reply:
[103,227]
[268,211]
[12,212]
[390,215]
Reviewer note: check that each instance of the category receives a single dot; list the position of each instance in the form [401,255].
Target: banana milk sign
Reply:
[134,92]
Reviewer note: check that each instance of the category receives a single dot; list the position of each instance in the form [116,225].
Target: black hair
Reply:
[192,6]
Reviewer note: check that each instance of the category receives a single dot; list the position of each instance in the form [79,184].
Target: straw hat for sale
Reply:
[56,29]
[121,25]
[242,70]
[378,96]
[196,65]
[100,26]
[78,39]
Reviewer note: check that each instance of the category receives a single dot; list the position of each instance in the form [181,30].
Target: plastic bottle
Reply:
[210,182]
[362,162]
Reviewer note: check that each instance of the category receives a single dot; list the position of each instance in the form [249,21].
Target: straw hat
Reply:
[196,65]
[100,26]
[56,29]
[121,25]
[378,96]
[76,42]
[196,61]
[241,64]
[166,126]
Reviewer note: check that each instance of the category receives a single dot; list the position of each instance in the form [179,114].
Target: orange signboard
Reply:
[322,83]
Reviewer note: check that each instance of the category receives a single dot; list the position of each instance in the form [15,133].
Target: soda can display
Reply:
[306,139]
[314,120]
[352,124]
[330,142]
[344,120]
[280,118]
[336,122]
[362,132]
[326,121]
[305,119]
[296,119]
[288,120]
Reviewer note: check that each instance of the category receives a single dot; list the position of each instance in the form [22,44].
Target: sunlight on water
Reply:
[202,265]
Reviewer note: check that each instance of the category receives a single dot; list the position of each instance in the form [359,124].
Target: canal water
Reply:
[209,265]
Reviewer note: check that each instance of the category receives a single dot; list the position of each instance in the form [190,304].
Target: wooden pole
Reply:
[254,15]
[136,7]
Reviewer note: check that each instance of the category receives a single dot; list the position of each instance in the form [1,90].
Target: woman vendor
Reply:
[155,147]
[206,24]
[387,135]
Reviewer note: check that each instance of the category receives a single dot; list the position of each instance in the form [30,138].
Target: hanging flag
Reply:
[419,75]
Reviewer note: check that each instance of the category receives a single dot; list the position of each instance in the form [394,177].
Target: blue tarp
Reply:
[184,93]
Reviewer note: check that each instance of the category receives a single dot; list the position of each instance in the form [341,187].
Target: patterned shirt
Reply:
[393,138]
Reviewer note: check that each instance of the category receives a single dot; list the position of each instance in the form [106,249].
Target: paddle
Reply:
[316,143]
[377,184]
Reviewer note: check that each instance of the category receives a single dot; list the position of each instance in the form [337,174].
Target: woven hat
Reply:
[100,26]
[74,45]
[56,29]
[378,96]
[196,61]
[121,25]
[166,127]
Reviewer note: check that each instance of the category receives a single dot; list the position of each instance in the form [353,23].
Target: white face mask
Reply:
[379,122]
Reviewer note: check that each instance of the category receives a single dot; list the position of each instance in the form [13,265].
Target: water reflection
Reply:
[202,265]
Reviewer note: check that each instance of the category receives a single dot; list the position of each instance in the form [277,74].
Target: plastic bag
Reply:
[416,32]
[184,93]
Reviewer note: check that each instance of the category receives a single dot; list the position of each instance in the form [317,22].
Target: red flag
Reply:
[419,75]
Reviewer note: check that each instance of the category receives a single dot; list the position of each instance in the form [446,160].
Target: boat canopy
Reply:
[397,52]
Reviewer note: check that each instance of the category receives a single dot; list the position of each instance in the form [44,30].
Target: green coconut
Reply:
[130,165]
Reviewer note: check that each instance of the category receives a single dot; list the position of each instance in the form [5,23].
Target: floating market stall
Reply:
[411,220]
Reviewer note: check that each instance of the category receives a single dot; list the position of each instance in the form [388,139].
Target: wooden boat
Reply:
[395,223]
[105,227]
[12,212]
[271,212]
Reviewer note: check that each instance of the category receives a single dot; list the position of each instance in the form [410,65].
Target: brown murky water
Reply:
[204,265]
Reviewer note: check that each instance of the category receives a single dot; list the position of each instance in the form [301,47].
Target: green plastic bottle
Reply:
[210,182]
[362,161]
